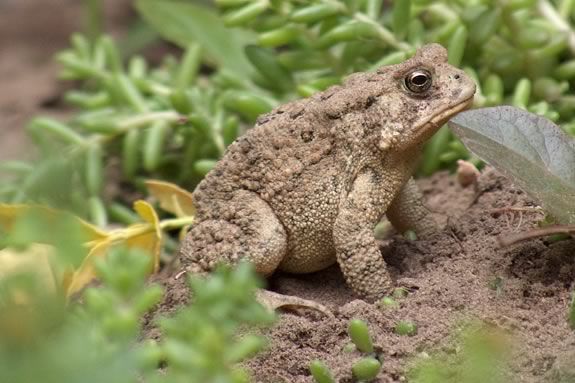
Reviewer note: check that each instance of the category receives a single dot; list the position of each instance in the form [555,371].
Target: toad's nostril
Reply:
[456,77]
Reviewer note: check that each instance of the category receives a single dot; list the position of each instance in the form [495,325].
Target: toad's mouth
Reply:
[428,128]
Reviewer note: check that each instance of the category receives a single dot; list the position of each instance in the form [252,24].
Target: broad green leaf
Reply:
[532,151]
[184,23]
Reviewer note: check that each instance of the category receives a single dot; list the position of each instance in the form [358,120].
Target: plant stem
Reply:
[147,118]
[176,223]
[94,18]
[144,228]
[547,10]
[384,34]
[507,239]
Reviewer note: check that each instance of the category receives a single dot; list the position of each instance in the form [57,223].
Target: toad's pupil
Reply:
[419,79]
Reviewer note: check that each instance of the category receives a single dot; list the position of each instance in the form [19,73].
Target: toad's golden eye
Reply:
[418,81]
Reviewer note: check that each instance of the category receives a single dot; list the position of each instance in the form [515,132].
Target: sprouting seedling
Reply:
[321,372]
[359,334]
[496,284]
[400,292]
[411,235]
[366,369]
[388,303]
[405,328]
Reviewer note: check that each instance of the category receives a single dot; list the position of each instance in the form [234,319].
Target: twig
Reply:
[520,221]
[507,239]
[535,209]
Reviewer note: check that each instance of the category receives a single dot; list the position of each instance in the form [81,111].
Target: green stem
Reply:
[443,11]
[147,118]
[548,11]
[94,18]
[176,223]
[384,34]
[144,228]
[217,131]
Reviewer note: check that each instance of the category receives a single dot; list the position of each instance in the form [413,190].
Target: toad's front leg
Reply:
[357,251]
[407,211]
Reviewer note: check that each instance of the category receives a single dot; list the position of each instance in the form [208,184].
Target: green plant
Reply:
[529,149]
[400,292]
[202,340]
[405,328]
[365,369]
[479,354]
[388,303]
[320,372]
[174,121]
[359,334]
[98,339]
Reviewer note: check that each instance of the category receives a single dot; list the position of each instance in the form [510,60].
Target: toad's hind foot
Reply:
[274,301]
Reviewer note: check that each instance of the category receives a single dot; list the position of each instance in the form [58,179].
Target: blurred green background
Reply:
[225,62]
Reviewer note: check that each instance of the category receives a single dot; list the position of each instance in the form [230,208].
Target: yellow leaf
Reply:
[86,273]
[172,198]
[9,214]
[35,259]
[146,236]
[149,240]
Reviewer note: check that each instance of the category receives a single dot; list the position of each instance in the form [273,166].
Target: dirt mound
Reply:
[458,275]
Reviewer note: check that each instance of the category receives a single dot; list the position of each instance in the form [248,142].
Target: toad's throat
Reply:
[429,127]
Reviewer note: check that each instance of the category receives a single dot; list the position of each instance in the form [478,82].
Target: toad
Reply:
[305,187]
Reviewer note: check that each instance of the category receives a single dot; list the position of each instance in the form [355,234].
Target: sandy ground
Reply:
[451,281]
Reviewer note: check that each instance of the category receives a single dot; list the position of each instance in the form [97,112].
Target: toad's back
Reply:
[288,161]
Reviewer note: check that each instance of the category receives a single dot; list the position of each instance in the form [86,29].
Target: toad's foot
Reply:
[275,301]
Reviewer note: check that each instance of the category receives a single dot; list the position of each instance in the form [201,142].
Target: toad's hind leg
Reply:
[247,229]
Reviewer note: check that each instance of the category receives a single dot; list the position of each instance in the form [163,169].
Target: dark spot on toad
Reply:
[307,136]
[369,102]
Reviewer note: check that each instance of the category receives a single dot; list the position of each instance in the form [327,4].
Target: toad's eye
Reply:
[418,81]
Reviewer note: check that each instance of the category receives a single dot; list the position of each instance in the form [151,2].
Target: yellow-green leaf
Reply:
[9,214]
[172,198]
[35,259]
[146,236]
[149,240]
[86,273]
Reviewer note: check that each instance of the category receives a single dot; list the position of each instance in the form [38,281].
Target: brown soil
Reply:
[450,282]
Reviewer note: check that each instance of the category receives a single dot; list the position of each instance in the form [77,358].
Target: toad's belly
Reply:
[309,229]
[309,251]
[308,210]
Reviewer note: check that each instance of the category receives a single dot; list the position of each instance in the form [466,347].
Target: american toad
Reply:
[305,187]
